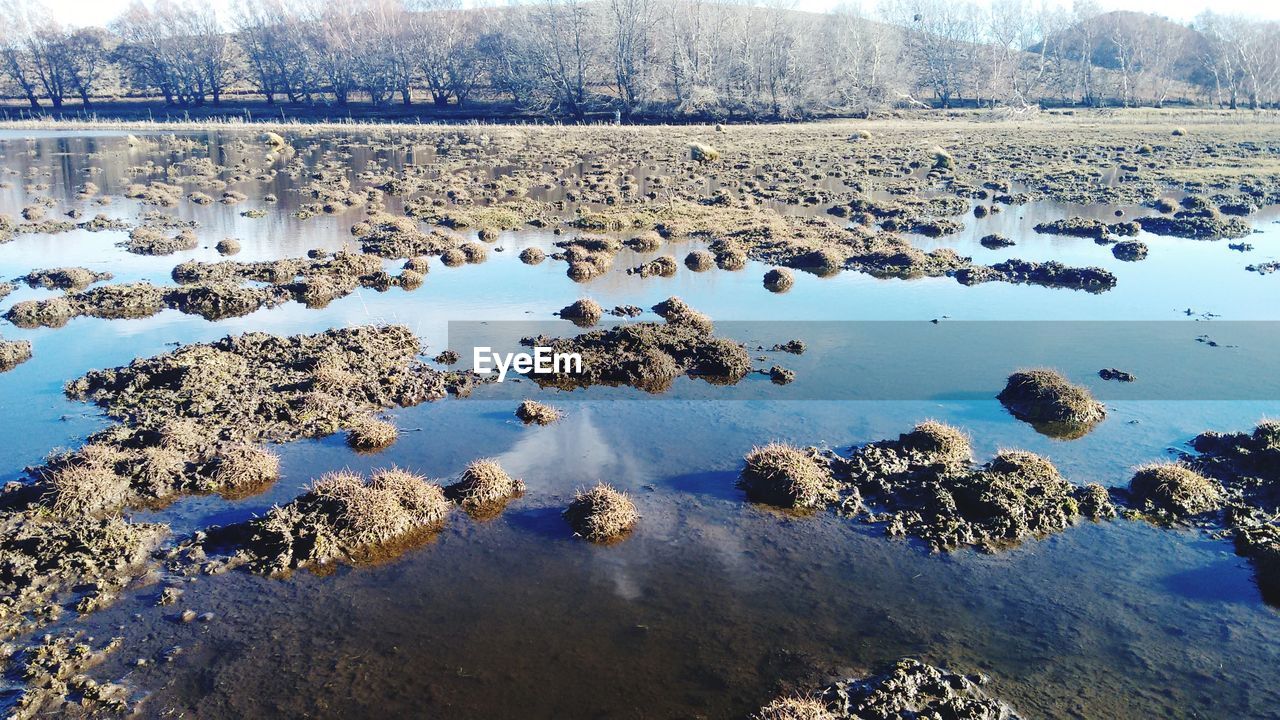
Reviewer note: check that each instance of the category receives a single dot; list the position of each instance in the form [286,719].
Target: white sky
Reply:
[100,12]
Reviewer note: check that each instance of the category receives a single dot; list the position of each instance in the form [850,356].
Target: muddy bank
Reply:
[192,420]
[13,353]
[64,278]
[910,689]
[647,355]
[54,679]
[1241,473]
[219,290]
[55,564]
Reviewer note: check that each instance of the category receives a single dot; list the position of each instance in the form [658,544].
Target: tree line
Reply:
[655,59]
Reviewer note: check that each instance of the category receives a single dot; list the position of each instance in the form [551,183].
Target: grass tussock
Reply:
[484,488]
[787,476]
[372,435]
[1174,490]
[533,412]
[601,514]
[794,709]
[240,469]
[1045,396]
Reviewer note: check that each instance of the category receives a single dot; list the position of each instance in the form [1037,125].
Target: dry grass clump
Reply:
[272,139]
[13,353]
[344,518]
[86,483]
[795,708]
[483,486]
[787,476]
[583,313]
[1174,490]
[703,153]
[944,445]
[647,241]
[779,280]
[371,435]
[532,256]
[419,265]
[240,469]
[453,257]
[1045,396]
[677,312]
[664,266]
[534,412]
[64,278]
[488,234]
[601,513]
[228,246]
[700,261]
[474,252]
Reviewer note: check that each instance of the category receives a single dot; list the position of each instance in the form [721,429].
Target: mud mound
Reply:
[601,514]
[532,256]
[79,561]
[484,488]
[1173,491]
[911,689]
[1049,402]
[13,353]
[187,416]
[1242,475]
[54,673]
[1049,274]
[397,236]
[343,518]
[700,261]
[648,356]
[779,280]
[533,412]
[151,240]
[787,476]
[664,266]
[1202,223]
[1130,250]
[64,278]
[924,485]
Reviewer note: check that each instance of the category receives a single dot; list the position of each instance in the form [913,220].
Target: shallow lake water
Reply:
[711,601]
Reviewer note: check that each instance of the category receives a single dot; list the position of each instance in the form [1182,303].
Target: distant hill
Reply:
[1107,31]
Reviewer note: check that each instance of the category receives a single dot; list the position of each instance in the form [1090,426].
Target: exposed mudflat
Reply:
[249,472]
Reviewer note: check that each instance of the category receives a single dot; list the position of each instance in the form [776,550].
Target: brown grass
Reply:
[794,709]
[1174,489]
[372,435]
[484,485]
[786,476]
[242,468]
[532,411]
[601,514]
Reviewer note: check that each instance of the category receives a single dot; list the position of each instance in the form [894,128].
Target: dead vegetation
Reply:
[1051,403]
[484,488]
[342,518]
[1173,491]
[532,412]
[649,356]
[787,476]
[13,353]
[601,514]
[910,689]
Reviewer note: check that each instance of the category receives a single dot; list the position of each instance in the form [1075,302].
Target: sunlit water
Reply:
[711,601]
